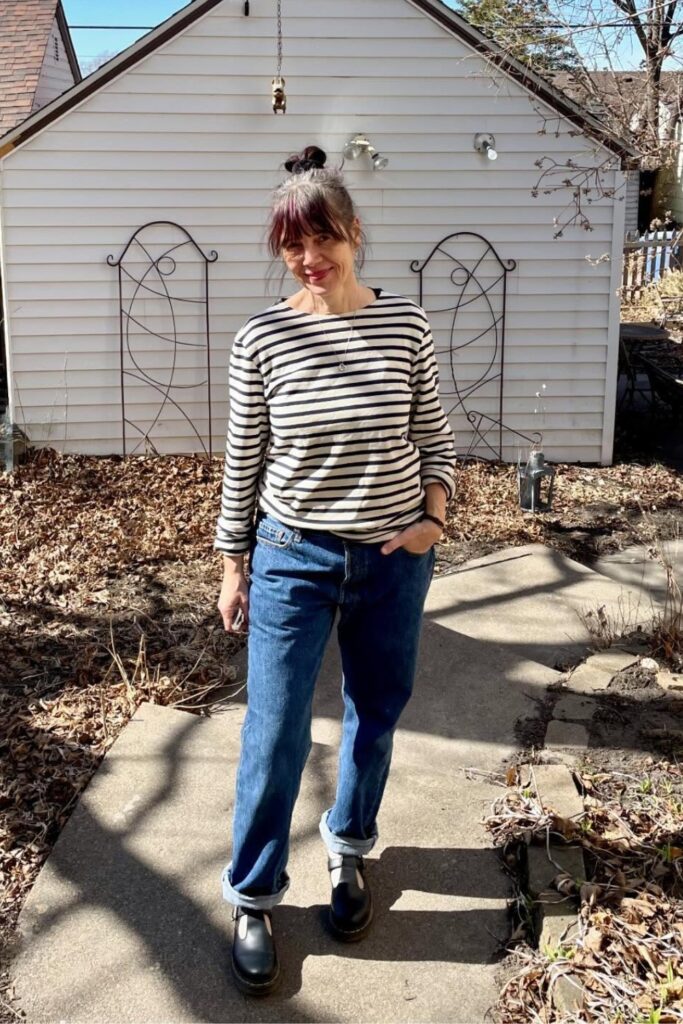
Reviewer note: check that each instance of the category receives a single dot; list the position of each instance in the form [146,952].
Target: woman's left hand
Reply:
[417,538]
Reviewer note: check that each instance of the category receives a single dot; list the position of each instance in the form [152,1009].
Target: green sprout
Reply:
[559,952]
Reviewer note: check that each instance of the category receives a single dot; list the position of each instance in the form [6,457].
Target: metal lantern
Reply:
[535,482]
[279,96]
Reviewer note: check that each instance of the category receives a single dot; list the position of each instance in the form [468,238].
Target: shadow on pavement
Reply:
[193,953]
[468,696]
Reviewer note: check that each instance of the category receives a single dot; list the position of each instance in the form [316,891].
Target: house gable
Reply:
[435,9]
[60,70]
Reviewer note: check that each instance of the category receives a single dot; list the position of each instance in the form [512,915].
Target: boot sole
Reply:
[251,988]
[349,936]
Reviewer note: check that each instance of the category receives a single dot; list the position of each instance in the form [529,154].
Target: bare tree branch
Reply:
[582,45]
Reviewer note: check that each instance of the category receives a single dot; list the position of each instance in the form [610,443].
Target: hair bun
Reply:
[312,158]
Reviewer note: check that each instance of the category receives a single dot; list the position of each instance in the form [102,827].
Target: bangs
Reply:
[302,215]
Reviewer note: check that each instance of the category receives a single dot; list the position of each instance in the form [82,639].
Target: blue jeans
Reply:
[299,580]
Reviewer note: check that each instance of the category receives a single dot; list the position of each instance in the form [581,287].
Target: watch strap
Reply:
[433,519]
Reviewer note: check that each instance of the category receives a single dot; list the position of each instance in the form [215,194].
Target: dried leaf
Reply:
[589,892]
[593,940]
[638,907]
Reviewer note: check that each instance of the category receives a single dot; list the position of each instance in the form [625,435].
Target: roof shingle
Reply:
[25,27]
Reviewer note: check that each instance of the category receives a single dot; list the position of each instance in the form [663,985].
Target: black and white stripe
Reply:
[349,450]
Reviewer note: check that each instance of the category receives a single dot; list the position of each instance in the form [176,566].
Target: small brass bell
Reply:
[279,98]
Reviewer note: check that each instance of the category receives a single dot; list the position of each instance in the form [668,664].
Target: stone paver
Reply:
[587,679]
[597,671]
[555,911]
[611,661]
[672,682]
[556,790]
[557,924]
[573,708]
[567,993]
[542,870]
[566,736]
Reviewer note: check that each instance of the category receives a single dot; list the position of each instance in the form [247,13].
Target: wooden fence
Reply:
[646,258]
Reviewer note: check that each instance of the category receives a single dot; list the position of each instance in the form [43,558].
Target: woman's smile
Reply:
[324,265]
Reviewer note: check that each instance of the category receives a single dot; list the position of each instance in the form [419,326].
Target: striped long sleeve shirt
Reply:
[335,423]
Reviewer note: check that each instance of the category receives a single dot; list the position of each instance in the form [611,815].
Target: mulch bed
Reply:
[108,587]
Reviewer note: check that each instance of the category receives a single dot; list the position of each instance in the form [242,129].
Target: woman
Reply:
[338,441]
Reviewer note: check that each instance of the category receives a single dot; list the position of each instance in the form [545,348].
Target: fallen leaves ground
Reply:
[595,510]
[108,587]
[626,955]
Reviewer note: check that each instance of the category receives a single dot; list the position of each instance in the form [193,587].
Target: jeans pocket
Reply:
[274,534]
[414,554]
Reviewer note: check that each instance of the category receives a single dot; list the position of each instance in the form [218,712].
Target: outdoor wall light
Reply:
[484,142]
[357,145]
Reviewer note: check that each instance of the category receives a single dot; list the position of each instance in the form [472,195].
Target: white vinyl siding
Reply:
[56,75]
[632,202]
[188,135]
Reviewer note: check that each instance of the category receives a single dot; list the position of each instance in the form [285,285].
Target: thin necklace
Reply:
[342,361]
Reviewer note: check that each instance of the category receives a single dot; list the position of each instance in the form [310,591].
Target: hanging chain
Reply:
[278,73]
[278,84]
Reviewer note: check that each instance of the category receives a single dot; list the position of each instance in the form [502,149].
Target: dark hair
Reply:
[310,159]
[312,200]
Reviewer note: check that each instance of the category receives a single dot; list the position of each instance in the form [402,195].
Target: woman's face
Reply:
[322,264]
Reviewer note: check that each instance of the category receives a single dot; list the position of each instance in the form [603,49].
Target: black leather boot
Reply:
[351,903]
[254,959]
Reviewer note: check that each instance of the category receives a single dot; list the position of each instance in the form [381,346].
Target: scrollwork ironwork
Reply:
[484,296]
[151,244]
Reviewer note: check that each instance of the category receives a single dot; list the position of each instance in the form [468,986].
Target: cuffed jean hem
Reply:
[345,844]
[238,899]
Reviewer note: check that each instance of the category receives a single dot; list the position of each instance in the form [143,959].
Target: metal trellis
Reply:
[153,340]
[478,276]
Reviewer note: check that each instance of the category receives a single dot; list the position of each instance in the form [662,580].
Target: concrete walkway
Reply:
[126,922]
[634,567]
[534,600]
